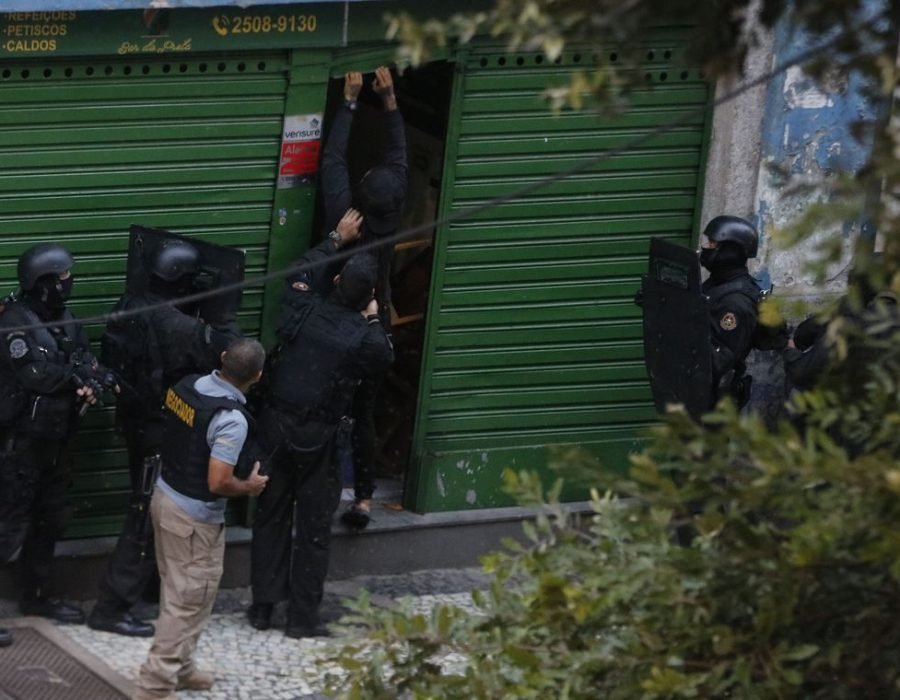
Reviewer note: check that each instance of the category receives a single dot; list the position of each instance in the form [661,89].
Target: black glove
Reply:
[810,332]
[771,337]
[87,373]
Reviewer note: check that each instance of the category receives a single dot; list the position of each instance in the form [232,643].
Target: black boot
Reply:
[357,516]
[260,615]
[301,631]
[5,637]
[52,608]
[125,624]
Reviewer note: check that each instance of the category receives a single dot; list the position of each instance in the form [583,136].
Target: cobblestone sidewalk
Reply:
[253,665]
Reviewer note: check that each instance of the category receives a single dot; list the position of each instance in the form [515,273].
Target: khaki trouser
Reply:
[190,556]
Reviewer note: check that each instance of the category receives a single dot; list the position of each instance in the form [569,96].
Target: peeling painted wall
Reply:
[806,132]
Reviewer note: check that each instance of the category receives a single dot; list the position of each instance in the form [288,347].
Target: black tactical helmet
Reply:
[174,259]
[40,260]
[736,230]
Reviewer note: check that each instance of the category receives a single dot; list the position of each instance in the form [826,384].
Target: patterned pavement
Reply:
[253,665]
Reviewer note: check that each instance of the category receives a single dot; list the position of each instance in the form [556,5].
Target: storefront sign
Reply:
[157,31]
[300,142]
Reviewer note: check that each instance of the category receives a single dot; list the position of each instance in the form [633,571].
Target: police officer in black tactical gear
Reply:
[733,302]
[328,345]
[150,351]
[50,376]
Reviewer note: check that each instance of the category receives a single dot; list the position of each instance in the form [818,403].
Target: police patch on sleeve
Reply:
[18,348]
[728,322]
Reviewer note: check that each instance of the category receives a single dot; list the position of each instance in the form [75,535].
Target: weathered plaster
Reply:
[806,134]
[734,151]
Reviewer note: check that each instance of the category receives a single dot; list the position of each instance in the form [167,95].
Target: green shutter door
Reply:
[88,147]
[533,338]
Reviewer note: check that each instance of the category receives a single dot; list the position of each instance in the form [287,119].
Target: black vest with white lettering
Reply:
[185,451]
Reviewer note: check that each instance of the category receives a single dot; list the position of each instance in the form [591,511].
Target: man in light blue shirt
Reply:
[206,429]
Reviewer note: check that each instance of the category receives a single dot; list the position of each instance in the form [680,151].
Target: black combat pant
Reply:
[364,437]
[42,509]
[303,492]
[131,571]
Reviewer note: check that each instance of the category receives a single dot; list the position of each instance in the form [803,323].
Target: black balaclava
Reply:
[51,293]
[724,258]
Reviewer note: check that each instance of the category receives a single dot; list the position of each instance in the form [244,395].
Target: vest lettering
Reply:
[180,408]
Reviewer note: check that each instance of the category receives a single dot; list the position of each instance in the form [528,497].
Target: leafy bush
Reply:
[735,562]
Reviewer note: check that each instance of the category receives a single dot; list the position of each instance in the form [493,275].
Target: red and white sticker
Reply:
[300,140]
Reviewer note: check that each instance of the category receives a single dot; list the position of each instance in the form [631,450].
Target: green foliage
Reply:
[722,30]
[734,563]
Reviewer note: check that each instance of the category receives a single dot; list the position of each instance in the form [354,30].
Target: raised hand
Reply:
[383,85]
[352,85]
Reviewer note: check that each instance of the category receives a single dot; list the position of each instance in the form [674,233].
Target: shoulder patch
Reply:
[728,322]
[300,286]
[18,348]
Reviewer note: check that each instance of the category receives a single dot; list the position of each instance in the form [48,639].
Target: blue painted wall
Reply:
[807,130]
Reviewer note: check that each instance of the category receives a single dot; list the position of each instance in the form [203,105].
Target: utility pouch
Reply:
[343,441]
[150,474]
[740,390]
[49,416]
[344,435]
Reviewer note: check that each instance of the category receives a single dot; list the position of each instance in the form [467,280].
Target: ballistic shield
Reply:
[216,266]
[677,347]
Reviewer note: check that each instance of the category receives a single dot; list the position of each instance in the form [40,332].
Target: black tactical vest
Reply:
[743,284]
[311,374]
[185,451]
[47,415]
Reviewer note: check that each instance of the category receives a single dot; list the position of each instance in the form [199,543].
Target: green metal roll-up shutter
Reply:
[533,339]
[88,147]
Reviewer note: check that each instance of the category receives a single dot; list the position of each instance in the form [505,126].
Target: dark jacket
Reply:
[325,348]
[154,350]
[44,366]
[733,299]
[337,190]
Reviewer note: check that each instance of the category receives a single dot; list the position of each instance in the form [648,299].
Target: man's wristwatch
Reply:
[350,104]
[336,237]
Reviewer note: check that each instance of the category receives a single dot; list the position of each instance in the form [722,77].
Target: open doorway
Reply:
[423,95]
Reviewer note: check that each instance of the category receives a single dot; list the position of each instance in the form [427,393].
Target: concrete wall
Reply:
[732,170]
